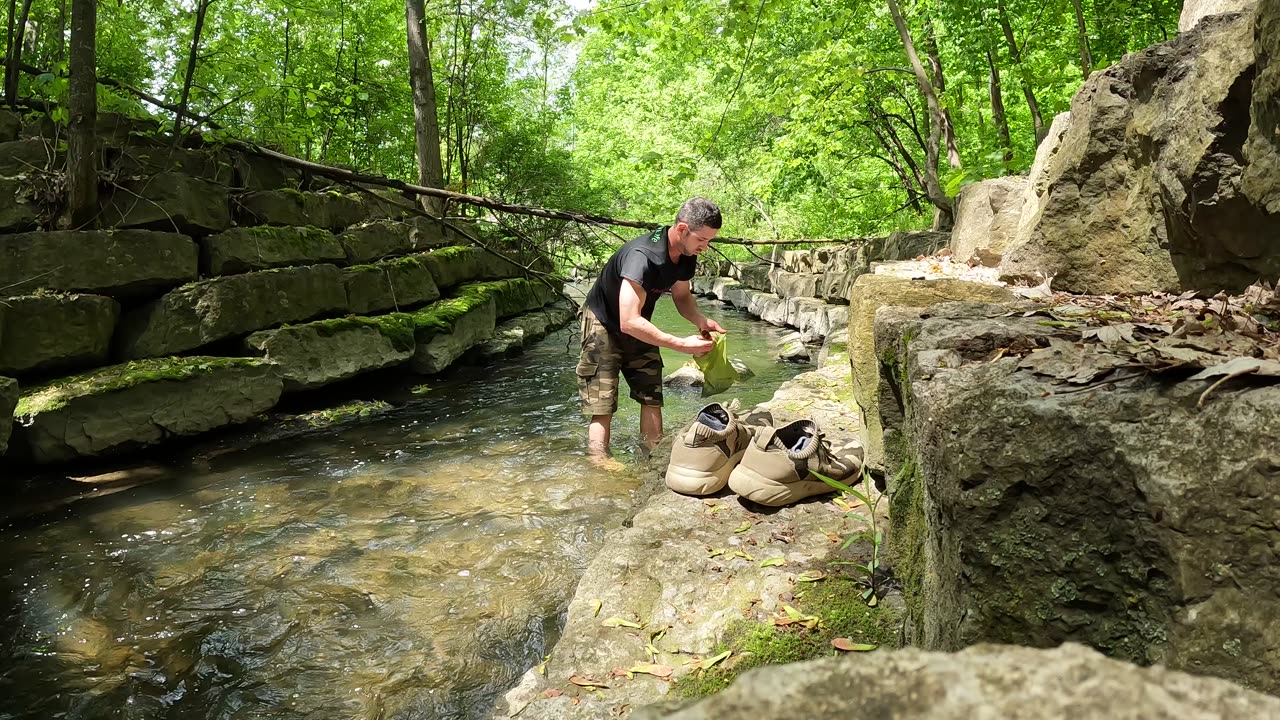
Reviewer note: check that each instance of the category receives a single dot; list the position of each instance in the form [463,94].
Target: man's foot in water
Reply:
[606,462]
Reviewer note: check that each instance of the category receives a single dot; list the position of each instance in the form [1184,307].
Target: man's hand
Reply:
[695,345]
[710,326]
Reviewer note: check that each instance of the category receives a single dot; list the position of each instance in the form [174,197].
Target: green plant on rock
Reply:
[867,572]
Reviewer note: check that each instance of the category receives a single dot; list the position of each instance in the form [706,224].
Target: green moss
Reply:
[907,537]
[440,316]
[835,600]
[396,327]
[350,411]
[445,253]
[56,394]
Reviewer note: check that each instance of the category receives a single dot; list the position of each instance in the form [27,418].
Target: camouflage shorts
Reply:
[604,355]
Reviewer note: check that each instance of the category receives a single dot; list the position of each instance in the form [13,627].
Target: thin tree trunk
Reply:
[17,33]
[940,85]
[943,216]
[1086,60]
[201,10]
[82,102]
[9,42]
[1016,55]
[997,112]
[425,122]
[62,30]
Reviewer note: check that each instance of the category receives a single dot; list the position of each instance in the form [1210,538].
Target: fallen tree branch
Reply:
[350,176]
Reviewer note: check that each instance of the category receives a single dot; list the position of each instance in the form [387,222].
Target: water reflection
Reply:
[409,567]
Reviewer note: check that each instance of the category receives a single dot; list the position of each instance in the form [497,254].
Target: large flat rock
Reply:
[332,211]
[471,320]
[1129,516]
[380,239]
[9,392]
[55,332]
[984,682]
[871,292]
[455,265]
[19,157]
[18,210]
[315,354]
[987,216]
[512,336]
[212,165]
[244,249]
[389,285]
[109,262]
[694,567]
[221,308]
[139,404]
[168,201]
[1144,190]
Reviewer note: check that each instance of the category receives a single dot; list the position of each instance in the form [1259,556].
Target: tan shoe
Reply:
[779,465]
[704,455]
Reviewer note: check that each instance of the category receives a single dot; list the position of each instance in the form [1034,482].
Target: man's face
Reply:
[694,242]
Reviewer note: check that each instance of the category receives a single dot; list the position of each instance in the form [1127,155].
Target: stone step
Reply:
[139,404]
[55,332]
[222,308]
[319,353]
[245,249]
[120,263]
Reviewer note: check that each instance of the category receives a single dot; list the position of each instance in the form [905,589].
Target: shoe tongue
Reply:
[713,419]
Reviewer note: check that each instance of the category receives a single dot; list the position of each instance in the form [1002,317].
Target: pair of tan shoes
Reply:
[764,464]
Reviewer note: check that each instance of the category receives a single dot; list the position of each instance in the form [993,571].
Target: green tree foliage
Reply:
[802,118]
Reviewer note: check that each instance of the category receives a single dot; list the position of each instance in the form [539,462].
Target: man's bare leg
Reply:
[598,436]
[650,425]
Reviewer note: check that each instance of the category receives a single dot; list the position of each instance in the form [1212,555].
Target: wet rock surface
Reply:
[690,566]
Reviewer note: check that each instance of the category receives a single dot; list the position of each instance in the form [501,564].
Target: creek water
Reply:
[410,567]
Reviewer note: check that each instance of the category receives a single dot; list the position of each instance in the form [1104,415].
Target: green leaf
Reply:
[773,562]
[621,622]
[745,526]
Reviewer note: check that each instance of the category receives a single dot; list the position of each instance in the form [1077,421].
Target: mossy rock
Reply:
[319,353]
[244,249]
[9,392]
[170,202]
[51,331]
[119,263]
[456,325]
[333,211]
[452,266]
[138,404]
[222,308]
[18,210]
[389,285]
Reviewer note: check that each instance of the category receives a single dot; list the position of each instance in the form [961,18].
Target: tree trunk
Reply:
[19,37]
[426,124]
[10,39]
[82,102]
[948,129]
[997,112]
[62,30]
[1016,55]
[1086,60]
[943,216]
[201,10]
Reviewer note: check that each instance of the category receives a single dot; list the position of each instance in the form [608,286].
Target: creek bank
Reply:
[685,573]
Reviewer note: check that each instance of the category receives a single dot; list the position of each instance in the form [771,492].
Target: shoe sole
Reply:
[760,489]
[687,481]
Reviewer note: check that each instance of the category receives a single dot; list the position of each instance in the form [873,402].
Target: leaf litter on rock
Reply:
[1233,336]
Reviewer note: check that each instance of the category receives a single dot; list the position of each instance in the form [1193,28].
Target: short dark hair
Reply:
[699,212]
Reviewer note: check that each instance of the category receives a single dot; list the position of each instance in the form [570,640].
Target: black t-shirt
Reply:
[646,260]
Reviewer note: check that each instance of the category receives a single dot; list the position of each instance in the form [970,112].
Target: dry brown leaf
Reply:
[586,682]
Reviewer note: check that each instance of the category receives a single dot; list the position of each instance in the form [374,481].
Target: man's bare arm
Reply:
[631,299]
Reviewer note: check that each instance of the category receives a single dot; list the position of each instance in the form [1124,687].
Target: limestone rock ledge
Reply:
[658,570]
[513,336]
[1070,682]
[1127,516]
[139,404]
[8,400]
[50,331]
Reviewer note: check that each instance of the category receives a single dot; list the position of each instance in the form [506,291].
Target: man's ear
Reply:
[681,227]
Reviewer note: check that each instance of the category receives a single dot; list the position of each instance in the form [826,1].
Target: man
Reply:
[617,335]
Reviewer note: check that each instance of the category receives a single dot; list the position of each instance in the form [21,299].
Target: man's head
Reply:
[697,224]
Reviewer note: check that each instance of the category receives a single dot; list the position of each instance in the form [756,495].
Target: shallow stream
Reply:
[410,566]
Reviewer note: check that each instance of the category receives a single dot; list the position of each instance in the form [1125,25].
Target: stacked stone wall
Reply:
[214,282]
